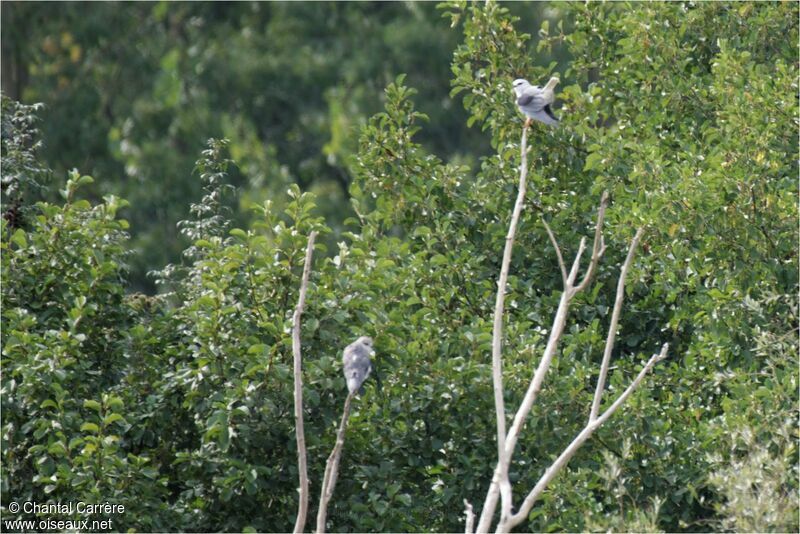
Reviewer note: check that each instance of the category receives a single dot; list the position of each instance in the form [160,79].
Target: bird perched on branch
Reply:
[534,101]
[357,364]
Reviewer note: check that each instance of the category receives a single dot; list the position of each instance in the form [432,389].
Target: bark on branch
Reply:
[497,330]
[500,487]
[332,468]
[469,519]
[302,467]
[579,440]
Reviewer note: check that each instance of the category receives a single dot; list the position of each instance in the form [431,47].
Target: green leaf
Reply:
[112,418]
[57,449]
[90,427]
[592,161]
[18,238]
[48,403]
[92,404]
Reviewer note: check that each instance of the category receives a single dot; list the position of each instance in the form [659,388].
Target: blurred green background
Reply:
[133,90]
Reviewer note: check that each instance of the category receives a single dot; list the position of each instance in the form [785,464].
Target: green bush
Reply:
[180,406]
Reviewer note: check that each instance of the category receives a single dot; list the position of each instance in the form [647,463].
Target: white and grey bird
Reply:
[535,101]
[356,363]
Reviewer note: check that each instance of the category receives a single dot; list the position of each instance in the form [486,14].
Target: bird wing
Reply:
[357,365]
[549,112]
[532,99]
[545,117]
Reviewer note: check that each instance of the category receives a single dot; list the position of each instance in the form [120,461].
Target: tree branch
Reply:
[470,518]
[598,247]
[558,253]
[500,485]
[302,466]
[654,359]
[579,440]
[332,467]
[497,334]
[612,327]
[559,322]
[576,264]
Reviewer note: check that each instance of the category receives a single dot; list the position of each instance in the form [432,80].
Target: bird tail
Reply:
[551,84]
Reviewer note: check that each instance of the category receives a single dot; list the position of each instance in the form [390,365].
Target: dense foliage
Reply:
[133,90]
[180,405]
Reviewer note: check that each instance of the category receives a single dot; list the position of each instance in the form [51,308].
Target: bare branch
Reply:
[558,253]
[576,263]
[470,518]
[654,359]
[500,486]
[497,330]
[302,508]
[612,327]
[579,440]
[535,386]
[332,468]
[598,247]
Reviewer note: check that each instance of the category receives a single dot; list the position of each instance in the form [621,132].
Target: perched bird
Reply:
[534,101]
[356,362]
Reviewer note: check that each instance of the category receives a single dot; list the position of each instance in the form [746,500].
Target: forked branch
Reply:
[579,440]
[332,468]
[501,488]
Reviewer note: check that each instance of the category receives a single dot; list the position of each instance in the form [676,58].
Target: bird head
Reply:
[520,85]
[366,341]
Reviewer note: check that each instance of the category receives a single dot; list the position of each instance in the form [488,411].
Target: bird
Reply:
[534,101]
[357,364]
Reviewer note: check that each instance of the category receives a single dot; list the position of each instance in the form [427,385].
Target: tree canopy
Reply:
[178,403]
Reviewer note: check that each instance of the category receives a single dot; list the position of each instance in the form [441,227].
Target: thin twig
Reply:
[302,467]
[598,247]
[558,252]
[612,327]
[332,468]
[470,518]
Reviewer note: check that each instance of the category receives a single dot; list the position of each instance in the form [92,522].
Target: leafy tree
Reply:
[64,322]
[180,406]
[134,90]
